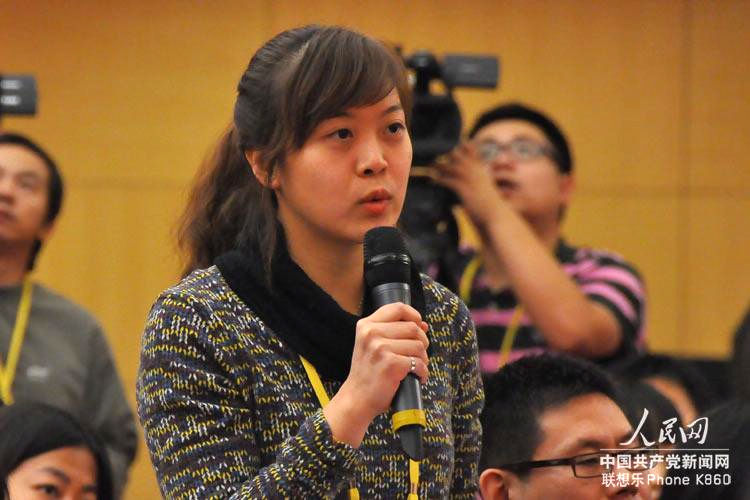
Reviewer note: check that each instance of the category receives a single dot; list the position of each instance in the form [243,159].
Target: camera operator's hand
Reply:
[463,171]
[515,256]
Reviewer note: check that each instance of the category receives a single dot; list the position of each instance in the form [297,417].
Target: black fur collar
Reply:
[302,314]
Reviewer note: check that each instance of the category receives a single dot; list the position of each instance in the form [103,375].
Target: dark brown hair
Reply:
[32,429]
[295,81]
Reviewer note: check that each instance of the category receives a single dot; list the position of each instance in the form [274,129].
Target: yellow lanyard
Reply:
[464,287]
[510,336]
[467,278]
[8,373]
[320,392]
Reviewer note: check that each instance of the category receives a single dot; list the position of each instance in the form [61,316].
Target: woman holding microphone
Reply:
[271,320]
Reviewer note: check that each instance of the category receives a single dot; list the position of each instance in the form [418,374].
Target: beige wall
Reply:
[653,94]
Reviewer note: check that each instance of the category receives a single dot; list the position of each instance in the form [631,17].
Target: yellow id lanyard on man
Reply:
[464,287]
[8,369]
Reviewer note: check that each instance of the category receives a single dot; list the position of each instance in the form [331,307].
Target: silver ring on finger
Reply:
[413,364]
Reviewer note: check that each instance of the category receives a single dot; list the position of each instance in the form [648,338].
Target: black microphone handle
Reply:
[409,393]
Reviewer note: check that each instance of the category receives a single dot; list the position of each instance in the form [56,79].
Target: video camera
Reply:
[18,95]
[427,218]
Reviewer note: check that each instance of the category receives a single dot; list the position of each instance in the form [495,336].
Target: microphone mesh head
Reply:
[386,242]
[385,239]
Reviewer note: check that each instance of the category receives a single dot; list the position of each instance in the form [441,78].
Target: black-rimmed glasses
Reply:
[518,150]
[593,465]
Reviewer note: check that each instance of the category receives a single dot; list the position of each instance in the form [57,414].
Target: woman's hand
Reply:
[386,343]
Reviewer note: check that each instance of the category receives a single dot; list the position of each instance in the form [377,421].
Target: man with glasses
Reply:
[527,288]
[551,429]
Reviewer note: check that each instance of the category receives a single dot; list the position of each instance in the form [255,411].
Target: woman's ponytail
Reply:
[227,207]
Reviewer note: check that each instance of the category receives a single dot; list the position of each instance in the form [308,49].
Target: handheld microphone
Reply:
[387,272]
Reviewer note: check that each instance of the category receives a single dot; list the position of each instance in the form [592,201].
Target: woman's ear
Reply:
[254,159]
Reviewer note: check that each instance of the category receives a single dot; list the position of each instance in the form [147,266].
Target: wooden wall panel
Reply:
[132,90]
[112,246]
[719,97]
[718,173]
[653,95]
[718,286]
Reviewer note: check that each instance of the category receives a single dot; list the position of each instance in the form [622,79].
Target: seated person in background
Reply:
[46,453]
[635,396]
[529,290]
[740,364]
[545,424]
[51,350]
[674,378]
[728,429]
